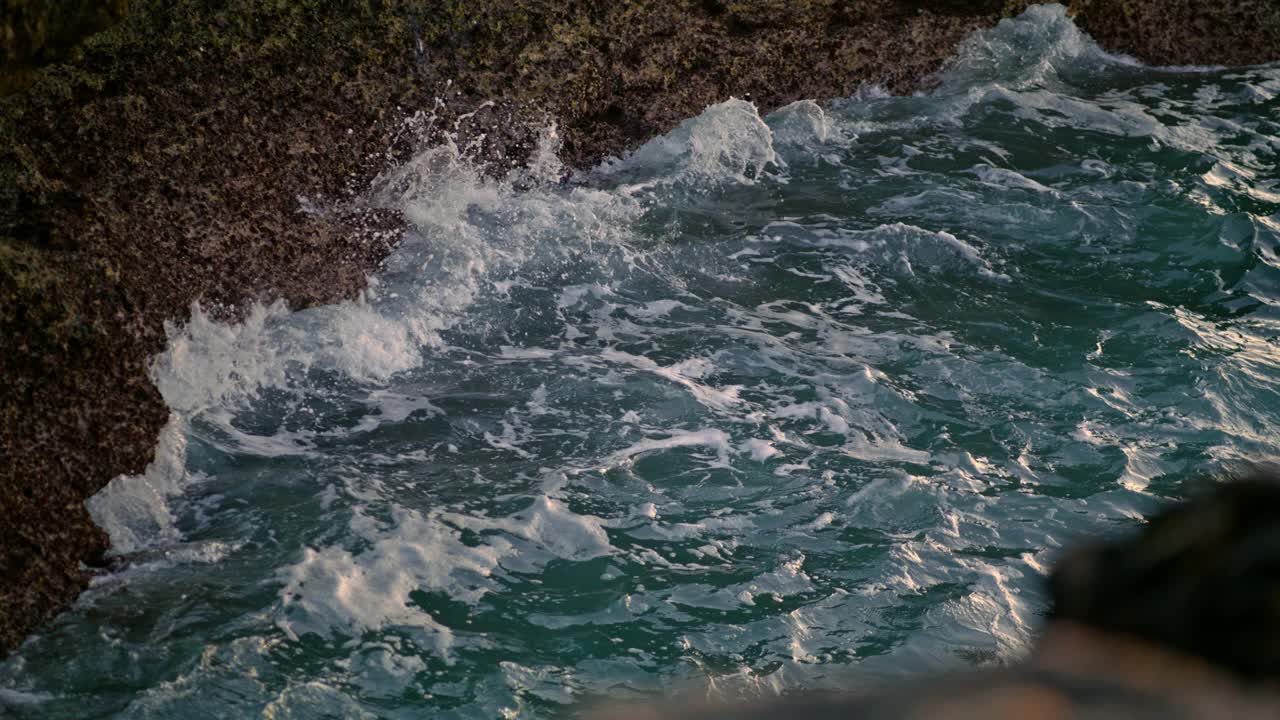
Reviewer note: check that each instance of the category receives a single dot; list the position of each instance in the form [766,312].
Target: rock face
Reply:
[161,162]
[38,32]
[1185,32]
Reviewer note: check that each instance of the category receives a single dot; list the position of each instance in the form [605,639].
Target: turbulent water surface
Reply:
[807,400]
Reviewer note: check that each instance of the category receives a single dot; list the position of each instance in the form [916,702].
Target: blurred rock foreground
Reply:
[152,154]
[1177,620]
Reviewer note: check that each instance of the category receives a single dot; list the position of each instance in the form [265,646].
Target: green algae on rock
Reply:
[165,161]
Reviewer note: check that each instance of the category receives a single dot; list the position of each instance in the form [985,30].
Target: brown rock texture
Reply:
[1185,32]
[162,161]
[38,32]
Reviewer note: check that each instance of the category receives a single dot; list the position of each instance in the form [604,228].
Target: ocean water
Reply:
[806,400]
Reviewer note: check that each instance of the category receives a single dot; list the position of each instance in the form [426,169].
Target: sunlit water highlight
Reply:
[807,400]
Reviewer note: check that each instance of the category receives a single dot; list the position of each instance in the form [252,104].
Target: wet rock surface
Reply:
[217,152]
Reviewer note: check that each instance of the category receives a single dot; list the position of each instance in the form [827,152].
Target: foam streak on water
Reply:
[805,400]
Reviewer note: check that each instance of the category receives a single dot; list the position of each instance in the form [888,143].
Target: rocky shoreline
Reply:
[161,162]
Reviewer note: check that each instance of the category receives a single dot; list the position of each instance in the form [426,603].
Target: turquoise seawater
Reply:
[805,400]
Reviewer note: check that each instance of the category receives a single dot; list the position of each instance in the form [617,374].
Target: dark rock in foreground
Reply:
[161,162]
[1175,621]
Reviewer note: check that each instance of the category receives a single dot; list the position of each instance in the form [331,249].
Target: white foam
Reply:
[684,374]
[314,699]
[18,697]
[822,521]
[717,440]
[207,361]
[1005,178]
[549,525]
[727,142]
[656,309]
[803,129]
[909,248]
[1025,50]
[371,346]
[332,589]
[760,450]
[134,509]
